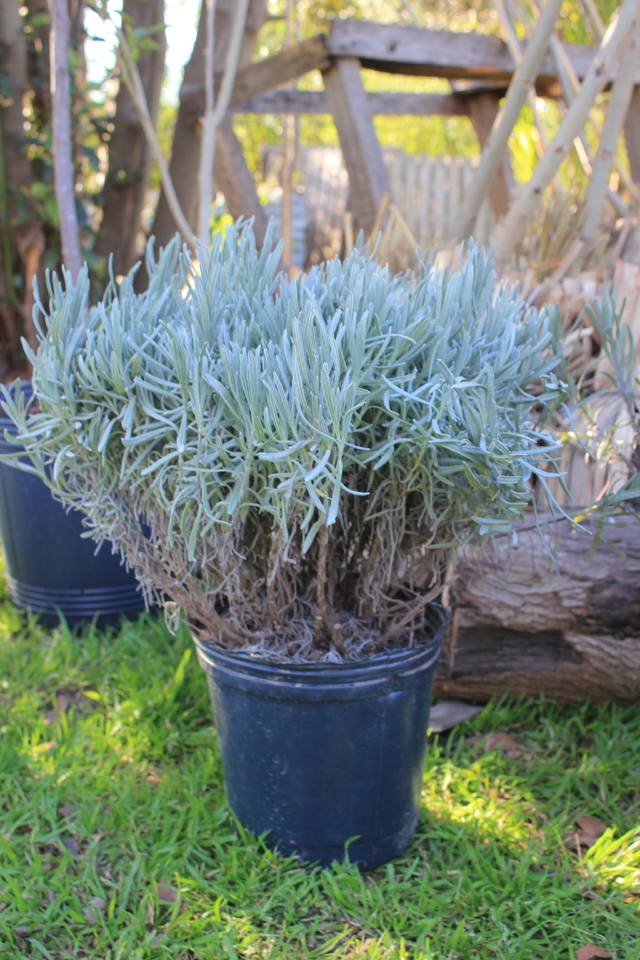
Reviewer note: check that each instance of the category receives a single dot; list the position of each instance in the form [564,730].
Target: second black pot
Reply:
[50,567]
[326,758]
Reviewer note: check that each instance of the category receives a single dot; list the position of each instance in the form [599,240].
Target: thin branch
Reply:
[134,83]
[570,87]
[521,84]
[272,573]
[515,50]
[233,57]
[212,121]
[208,143]
[397,627]
[322,617]
[616,113]
[63,172]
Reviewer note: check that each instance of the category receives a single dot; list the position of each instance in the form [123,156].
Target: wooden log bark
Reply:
[368,180]
[568,628]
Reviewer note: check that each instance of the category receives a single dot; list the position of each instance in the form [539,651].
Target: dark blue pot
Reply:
[50,567]
[326,758]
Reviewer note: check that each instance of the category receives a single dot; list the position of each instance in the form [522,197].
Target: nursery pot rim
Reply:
[351,680]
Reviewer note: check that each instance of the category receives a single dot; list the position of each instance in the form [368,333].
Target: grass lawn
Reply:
[116,841]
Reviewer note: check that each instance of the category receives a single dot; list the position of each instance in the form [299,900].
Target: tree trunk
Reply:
[185,153]
[22,239]
[567,627]
[129,153]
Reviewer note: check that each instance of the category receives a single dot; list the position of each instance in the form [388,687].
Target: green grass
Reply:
[123,792]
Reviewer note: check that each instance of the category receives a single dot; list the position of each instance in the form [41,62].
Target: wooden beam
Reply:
[632,134]
[349,104]
[417,51]
[299,102]
[281,68]
[483,109]
[392,48]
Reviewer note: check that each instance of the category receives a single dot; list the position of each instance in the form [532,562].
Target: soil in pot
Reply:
[326,758]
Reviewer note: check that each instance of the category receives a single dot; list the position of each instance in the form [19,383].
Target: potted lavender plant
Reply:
[305,456]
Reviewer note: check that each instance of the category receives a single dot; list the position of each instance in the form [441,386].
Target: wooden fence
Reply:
[427,190]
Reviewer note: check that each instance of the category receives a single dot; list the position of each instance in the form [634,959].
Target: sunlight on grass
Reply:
[492,806]
[615,861]
[117,844]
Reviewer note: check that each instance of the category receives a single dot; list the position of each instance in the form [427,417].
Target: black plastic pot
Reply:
[326,758]
[50,567]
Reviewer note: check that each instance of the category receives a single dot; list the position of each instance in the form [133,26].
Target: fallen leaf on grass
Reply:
[498,741]
[449,713]
[70,844]
[167,894]
[589,830]
[590,950]
[61,706]
[23,931]
[97,908]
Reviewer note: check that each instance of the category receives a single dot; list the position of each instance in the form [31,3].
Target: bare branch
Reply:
[61,117]
[132,79]
[519,88]
[208,143]
[616,112]
[600,71]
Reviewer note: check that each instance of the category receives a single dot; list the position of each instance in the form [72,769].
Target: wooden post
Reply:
[348,102]
[483,110]
[632,134]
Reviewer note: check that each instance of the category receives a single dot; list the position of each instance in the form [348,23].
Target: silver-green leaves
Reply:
[271,454]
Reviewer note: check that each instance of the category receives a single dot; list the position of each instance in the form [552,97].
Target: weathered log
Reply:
[566,626]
